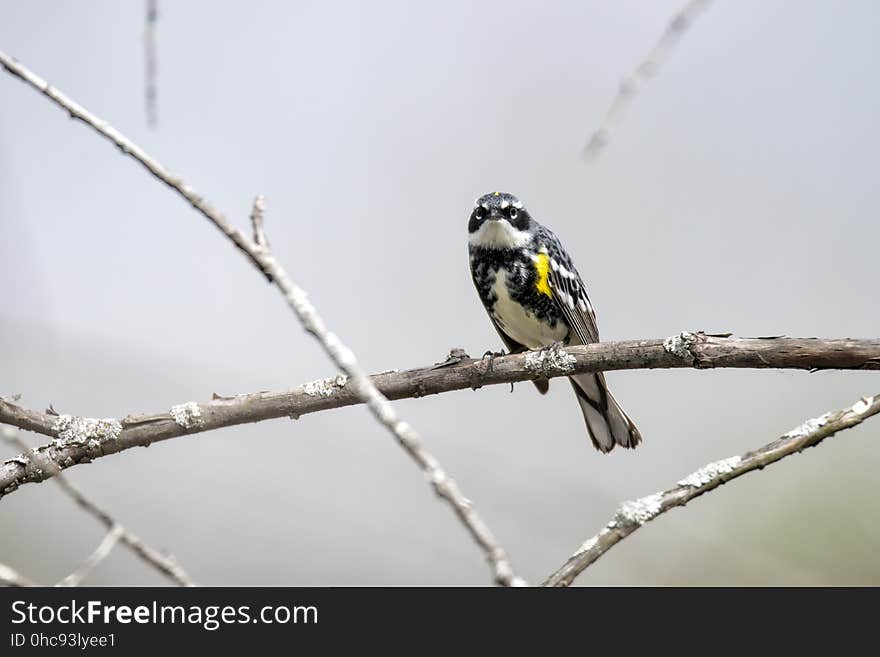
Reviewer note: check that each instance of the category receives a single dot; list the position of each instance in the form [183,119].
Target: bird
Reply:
[536,299]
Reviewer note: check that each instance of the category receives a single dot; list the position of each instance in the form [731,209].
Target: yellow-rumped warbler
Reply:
[536,298]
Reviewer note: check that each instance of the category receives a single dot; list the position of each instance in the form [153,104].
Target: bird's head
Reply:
[500,221]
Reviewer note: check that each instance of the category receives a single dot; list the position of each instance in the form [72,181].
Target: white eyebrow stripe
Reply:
[504,205]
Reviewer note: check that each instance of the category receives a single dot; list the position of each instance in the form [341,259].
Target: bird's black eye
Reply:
[512,212]
[480,212]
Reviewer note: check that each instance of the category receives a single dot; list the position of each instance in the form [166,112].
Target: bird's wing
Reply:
[569,292]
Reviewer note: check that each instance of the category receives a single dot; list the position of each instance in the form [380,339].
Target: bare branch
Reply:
[82,440]
[296,299]
[632,84]
[167,565]
[105,547]
[632,515]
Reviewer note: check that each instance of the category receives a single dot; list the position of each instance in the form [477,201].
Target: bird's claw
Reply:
[551,348]
[491,356]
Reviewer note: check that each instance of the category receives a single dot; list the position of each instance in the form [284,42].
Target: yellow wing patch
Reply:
[542,267]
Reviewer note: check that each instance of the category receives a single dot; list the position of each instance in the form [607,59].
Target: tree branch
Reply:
[633,83]
[261,256]
[81,440]
[167,565]
[632,515]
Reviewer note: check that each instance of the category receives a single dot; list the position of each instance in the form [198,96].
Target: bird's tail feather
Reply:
[606,422]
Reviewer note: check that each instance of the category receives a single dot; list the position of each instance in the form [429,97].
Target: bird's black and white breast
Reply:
[510,295]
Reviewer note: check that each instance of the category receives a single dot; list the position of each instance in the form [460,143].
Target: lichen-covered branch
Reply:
[165,564]
[633,83]
[259,253]
[81,440]
[632,515]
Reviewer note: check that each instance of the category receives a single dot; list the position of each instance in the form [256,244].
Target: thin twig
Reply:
[105,547]
[95,439]
[632,515]
[632,84]
[151,90]
[11,577]
[167,565]
[297,300]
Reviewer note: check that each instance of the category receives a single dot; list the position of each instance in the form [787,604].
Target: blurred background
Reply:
[739,193]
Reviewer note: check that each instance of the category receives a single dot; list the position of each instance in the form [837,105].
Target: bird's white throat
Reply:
[499,234]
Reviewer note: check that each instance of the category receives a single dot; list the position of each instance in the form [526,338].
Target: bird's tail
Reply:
[606,422]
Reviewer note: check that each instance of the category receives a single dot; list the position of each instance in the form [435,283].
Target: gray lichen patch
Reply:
[638,511]
[76,430]
[862,405]
[325,387]
[186,415]
[680,345]
[711,471]
[808,427]
[549,362]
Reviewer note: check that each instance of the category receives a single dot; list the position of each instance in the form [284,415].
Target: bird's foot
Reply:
[490,357]
[552,348]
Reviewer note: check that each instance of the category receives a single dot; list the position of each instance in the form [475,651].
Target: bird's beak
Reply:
[496,215]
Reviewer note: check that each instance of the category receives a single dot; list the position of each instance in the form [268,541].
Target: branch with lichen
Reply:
[633,514]
[82,440]
[260,254]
